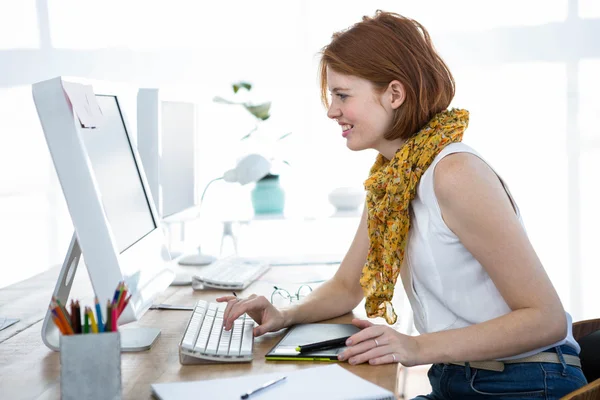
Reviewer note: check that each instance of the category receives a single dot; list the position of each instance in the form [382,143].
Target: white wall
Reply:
[527,71]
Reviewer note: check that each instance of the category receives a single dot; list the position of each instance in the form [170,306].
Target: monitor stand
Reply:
[132,339]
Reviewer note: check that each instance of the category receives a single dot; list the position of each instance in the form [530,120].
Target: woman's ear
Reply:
[397,94]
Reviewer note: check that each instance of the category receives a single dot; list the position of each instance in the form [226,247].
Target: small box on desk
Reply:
[90,366]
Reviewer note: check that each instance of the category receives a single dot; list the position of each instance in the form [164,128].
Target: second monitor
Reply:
[167,144]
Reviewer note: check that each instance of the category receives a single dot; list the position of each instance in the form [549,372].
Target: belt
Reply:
[543,357]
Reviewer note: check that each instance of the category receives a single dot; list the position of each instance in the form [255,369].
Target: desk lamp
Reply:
[250,168]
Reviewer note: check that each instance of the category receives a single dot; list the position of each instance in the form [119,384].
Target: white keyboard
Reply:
[230,273]
[205,339]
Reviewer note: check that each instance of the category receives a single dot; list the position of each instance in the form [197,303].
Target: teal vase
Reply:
[267,196]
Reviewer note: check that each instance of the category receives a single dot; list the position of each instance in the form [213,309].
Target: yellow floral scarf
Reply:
[391,186]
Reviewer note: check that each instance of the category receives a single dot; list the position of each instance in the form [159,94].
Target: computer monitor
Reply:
[166,141]
[117,227]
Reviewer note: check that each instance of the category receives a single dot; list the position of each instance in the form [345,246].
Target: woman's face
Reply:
[363,114]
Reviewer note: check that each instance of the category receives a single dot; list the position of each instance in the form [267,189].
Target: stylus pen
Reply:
[171,307]
[327,344]
[266,385]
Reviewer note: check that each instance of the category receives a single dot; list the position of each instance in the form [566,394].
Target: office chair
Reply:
[587,334]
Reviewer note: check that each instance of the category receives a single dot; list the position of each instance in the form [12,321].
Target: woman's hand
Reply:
[268,317]
[379,344]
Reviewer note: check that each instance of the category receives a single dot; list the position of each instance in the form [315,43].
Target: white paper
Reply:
[6,322]
[329,382]
[83,101]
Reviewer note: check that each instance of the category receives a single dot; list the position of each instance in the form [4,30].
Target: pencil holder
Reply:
[90,366]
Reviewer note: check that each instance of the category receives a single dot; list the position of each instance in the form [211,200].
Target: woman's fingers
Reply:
[374,353]
[237,308]
[389,358]
[371,332]
[227,312]
[363,347]
[255,306]
[356,349]
[223,299]
[361,323]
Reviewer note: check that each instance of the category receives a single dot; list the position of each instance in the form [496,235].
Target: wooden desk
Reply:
[29,370]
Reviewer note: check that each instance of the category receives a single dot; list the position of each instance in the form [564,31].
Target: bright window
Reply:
[19,25]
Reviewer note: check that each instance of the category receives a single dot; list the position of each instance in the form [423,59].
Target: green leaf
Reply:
[241,84]
[249,133]
[260,111]
[284,136]
[219,99]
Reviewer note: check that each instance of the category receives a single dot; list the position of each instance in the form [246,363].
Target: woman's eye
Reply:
[342,96]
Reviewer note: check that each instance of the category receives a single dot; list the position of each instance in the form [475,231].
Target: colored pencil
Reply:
[57,321]
[86,321]
[63,319]
[113,319]
[125,302]
[99,315]
[92,320]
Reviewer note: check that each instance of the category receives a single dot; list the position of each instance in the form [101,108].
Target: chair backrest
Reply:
[584,328]
[590,355]
[587,334]
[591,391]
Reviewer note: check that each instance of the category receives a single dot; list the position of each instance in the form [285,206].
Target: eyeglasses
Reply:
[281,297]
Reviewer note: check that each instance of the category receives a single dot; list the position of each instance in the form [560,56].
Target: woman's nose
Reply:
[333,112]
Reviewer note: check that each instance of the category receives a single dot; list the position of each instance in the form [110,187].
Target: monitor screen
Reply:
[177,157]
[117,175]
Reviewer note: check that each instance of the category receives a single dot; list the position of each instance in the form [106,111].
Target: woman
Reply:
[439,216]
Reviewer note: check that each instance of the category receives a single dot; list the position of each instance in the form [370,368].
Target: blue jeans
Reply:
[547,381]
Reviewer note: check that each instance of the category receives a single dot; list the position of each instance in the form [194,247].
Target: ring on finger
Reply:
[376,342]
[394,357]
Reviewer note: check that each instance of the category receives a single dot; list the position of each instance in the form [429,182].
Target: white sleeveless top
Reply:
[446,286]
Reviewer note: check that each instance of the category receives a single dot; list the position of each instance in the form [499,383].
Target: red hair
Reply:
[390,47]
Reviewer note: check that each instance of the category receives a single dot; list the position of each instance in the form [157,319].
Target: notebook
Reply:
[328,382]
[303,334]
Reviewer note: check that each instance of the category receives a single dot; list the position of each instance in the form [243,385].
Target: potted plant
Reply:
[268,197]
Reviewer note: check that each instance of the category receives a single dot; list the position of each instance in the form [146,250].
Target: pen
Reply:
[266,385]
[171,307]
[327,344]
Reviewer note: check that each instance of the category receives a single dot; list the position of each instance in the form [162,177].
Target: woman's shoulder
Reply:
[460,172]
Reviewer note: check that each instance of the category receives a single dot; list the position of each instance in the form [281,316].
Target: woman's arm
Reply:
[477,209]
[338,296]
